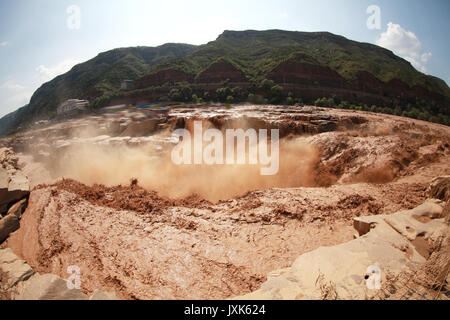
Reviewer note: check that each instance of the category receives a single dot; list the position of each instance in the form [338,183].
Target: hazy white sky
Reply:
[40,39]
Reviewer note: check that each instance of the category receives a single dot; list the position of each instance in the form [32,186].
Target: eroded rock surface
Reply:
[18,281]
[392,243]
[14,190]
[14,185]
[147,231]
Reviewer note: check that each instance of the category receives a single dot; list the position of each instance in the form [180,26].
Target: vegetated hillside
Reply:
[278,66]
[91,79]
[258,52]
[267,66]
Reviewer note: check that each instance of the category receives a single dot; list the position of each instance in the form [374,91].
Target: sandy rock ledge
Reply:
[18,281]
[393,244]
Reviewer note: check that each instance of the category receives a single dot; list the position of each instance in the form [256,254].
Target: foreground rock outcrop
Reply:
[14,191]
[387,244]
[18,281]
[106,198]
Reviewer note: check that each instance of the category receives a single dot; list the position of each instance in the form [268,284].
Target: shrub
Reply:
[276,94]
[223,93]
[175,95]
[344,105]
[266,85]
[256,99]
[325,102]
[290,101]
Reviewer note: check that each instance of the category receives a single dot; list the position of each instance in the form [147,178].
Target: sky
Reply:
[40,39]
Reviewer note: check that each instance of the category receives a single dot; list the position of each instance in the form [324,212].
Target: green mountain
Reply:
[95,77]
[258,52]
[257,55]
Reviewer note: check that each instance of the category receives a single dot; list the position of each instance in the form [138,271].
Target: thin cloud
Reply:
[425,57]
[47,73]
[4,44]
[13,96]
[405,44]
[11,86]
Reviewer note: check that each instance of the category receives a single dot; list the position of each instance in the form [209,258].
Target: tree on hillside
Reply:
[326,103]
[276,94]
[256,99]
[266,85]
[237,93]
[186,92]
[175,95]
[223,93]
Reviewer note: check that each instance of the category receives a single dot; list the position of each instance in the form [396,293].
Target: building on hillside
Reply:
[127,85]
[41,122]
[72,105]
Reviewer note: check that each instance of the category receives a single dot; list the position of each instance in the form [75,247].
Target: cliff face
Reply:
[366,82]
[305,74]
[211,77]
[311,80]
[170,76]
[220,71]
[308,80]
[396,88]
